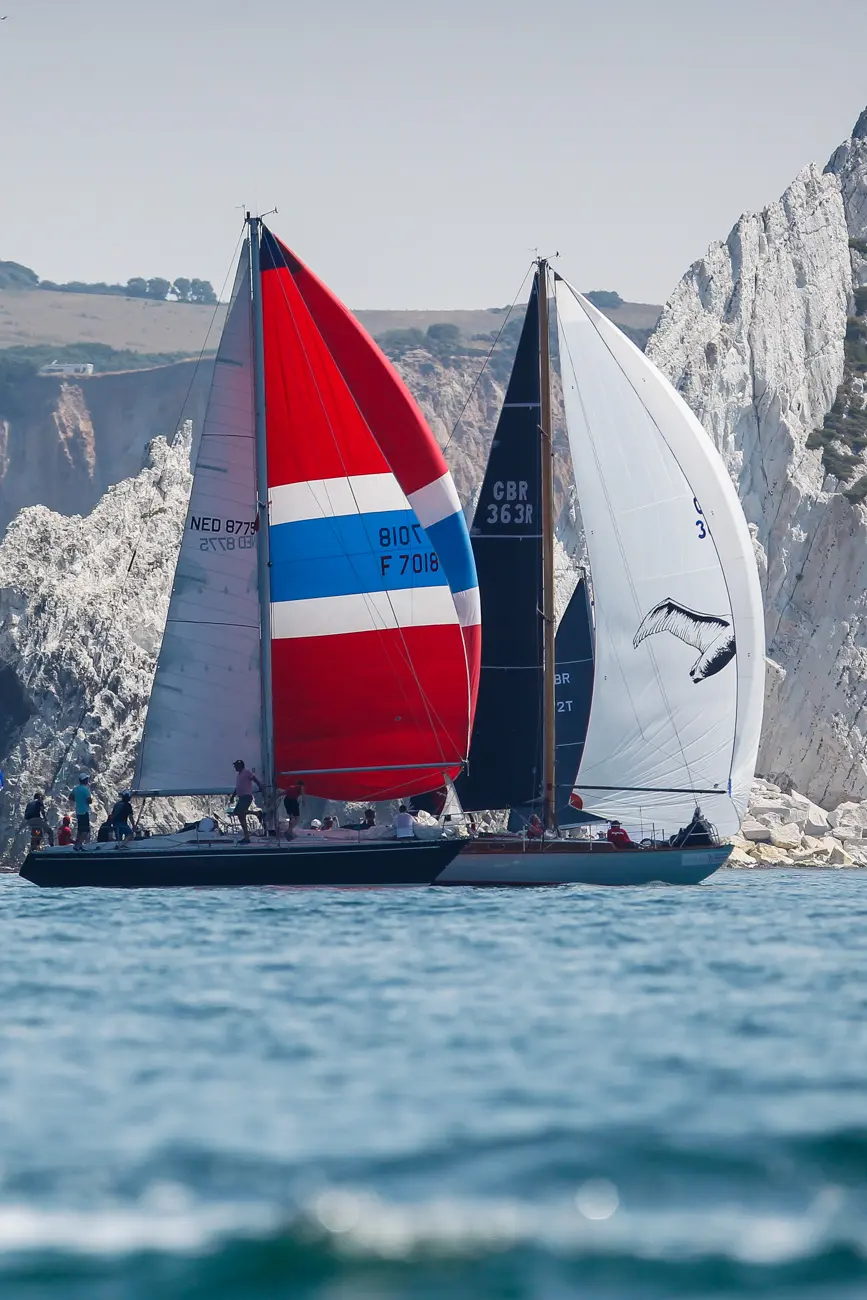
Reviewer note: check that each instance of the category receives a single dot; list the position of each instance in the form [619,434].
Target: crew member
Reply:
[121,818]
[619,837]
[34,817]
[82,799]
[698,834]
[404,824]
[535,829]
[64,835]
[292,803]
[244,782]
[365,825]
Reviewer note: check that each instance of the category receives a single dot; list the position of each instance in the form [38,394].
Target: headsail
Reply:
[205,707]
[374,596]
[573,684]
[505,768]
[677,703]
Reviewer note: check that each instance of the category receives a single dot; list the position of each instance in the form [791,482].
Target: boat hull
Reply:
[385,862]
[499,862]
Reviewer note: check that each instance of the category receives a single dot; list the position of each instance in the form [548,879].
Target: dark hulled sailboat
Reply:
[323,622]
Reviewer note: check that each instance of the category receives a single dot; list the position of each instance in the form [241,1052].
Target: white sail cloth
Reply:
[679,684]
[206,705]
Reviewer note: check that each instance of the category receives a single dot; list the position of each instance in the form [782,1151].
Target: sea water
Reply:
[573,1092]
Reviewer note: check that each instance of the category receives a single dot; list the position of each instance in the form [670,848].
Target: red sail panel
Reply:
[370,678]
[403,435]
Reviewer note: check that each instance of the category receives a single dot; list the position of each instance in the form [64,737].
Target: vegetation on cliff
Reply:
[15,276]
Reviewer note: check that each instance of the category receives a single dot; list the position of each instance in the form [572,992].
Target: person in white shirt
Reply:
[404,824]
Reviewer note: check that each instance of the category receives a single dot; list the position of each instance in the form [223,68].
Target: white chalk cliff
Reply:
[83,603]
[753,337]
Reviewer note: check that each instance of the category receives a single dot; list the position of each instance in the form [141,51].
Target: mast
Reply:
[254,225]
[546,447]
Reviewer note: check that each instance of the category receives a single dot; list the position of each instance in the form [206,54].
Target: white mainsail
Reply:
[206,705]
[679,685]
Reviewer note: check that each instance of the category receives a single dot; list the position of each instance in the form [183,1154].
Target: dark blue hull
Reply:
[386,862]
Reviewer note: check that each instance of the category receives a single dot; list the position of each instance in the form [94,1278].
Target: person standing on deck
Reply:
[82,798]
[244,782]
[122,817]
[34,817]
[292,803]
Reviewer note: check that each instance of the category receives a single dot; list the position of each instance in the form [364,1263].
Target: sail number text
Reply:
[412,560]
[510,504]
[699,523]
[226,534]
[206,524]
[563,679]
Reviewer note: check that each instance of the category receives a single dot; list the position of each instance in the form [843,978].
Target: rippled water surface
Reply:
[613,1095]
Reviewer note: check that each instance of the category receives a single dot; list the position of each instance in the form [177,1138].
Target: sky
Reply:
[417,151]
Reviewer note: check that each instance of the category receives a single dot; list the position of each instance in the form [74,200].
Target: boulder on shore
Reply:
[755,831]
[786,836]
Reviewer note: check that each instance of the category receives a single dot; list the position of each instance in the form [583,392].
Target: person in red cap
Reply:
[64,835]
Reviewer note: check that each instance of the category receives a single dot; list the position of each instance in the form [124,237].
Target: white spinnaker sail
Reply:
[676,715]
[206,705]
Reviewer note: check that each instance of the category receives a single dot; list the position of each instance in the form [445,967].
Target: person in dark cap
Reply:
[619,837]
[244,782]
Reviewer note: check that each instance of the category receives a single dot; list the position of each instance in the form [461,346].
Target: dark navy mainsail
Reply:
[506,750]
[573,685]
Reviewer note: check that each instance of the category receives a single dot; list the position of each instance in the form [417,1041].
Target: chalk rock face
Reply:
[83,602]
[753,337]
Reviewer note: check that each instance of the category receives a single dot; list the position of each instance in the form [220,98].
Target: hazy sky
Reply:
[417,150]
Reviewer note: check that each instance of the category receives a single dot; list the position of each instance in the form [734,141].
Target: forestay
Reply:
[679,678]
[206,705]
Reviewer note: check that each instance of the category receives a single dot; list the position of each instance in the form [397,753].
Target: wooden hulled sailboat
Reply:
[324,616]
[677,678]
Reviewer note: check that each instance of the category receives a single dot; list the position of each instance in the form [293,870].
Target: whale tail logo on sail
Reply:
[710,634]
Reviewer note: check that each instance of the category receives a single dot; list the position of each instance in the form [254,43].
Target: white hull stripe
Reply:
[435,501]
[327,498]
[374,611]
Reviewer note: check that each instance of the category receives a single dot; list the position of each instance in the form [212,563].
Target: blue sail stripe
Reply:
[349,554]
[451,541]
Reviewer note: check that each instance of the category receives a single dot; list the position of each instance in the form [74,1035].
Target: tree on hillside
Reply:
[15,276]
[444,335]
[603,298]
[137,287]
[181,289]
[202,291]
[159,288]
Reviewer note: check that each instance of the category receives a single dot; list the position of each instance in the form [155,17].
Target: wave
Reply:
[347,1242]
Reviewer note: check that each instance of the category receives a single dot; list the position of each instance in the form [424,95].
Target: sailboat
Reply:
[324,618]
[676,681]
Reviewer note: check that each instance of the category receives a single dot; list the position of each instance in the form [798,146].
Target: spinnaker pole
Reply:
[546,448]
[254,226]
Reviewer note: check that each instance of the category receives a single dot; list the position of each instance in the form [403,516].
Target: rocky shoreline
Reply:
[786,829]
